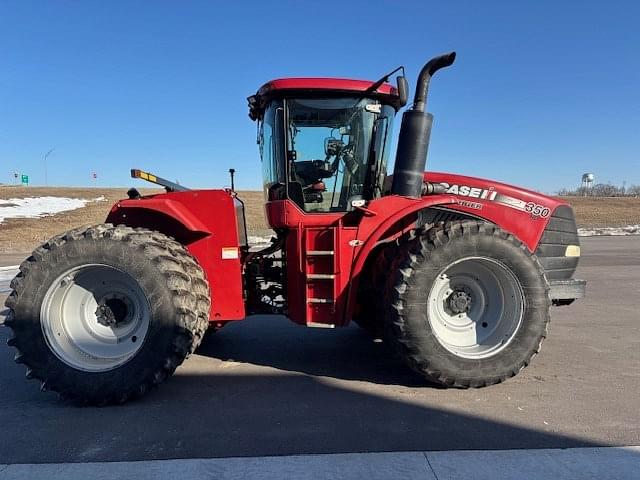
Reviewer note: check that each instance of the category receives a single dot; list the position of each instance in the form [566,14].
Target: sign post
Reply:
[25,180]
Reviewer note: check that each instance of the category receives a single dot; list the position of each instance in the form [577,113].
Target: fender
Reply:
[385,219]
[176,220]
[206,223]
[373,228]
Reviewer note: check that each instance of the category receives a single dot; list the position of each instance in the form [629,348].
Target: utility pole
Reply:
[46,180]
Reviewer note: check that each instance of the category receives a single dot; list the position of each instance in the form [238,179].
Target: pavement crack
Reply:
[426,457]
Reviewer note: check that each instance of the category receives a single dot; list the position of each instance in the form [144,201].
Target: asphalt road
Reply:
[267,387]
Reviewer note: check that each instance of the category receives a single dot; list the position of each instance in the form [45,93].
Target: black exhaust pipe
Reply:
[413,142]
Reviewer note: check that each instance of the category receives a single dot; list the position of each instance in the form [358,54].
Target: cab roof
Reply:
[310,85]
[320,83]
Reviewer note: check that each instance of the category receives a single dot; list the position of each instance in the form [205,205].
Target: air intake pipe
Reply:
[413,142]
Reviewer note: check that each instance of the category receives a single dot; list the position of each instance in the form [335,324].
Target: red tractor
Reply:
[456,273]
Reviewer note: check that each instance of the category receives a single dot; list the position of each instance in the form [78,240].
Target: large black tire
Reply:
[170,280]
[420,261]
[371,293]
[371,311]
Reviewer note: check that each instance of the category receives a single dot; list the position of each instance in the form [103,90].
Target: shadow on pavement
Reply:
[346,353]
[228,415]
[227,409]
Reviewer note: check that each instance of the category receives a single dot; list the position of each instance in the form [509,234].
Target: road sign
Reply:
[25,180]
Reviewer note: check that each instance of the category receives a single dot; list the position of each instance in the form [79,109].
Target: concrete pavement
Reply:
[571,464]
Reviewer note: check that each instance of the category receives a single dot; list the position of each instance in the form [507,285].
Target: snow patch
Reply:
[6,275]
[614,231]
[36,207]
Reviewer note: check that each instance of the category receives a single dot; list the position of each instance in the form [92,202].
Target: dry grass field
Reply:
[605,211]
[23,234]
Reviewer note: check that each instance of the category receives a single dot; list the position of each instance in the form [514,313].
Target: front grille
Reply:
[560,232]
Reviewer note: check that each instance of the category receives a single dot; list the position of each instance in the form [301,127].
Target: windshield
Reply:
[329,146]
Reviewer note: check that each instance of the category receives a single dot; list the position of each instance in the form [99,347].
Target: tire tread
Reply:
[425,241]
[183,276]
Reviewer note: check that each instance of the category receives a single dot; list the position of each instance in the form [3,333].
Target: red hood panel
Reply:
[519,211]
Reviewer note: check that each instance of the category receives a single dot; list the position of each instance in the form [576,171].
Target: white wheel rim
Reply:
[88,338]
[475,307]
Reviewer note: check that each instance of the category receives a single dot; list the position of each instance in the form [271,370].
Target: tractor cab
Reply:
[324,143]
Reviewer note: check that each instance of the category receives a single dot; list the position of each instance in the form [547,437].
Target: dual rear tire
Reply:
[467,304]
[104,314]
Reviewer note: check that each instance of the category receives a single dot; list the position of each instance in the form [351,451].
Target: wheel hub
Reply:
[475,307]
[112,312]
[459,302]
[95,317]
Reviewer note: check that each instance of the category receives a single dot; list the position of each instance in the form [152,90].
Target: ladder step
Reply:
[319,252]
[321,276]
[319,300]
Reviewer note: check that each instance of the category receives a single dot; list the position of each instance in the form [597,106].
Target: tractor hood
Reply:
[522,212]
[474,193]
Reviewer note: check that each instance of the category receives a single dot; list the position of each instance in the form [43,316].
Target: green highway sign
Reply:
[25,179]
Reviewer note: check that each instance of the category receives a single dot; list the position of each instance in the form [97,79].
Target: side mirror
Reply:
[403,90]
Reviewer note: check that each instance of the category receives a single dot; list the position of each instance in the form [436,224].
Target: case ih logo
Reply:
[472,192]
[536,210]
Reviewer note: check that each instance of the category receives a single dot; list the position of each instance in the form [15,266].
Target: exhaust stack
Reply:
[413,142]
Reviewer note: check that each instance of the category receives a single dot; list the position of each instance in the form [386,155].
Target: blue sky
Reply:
[541,91]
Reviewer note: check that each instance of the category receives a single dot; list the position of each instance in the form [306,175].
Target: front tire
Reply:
[103,314]
[468,304]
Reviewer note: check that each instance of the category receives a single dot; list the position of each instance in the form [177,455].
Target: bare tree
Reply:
[603,190]
[633,190]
